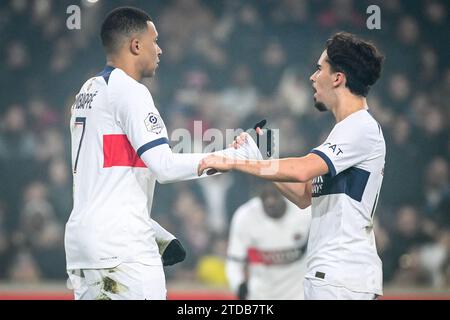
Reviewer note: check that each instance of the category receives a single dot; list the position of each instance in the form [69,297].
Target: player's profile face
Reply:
[151,52]
[320,80]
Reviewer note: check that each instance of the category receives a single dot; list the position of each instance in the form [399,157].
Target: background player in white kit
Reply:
[267,248]
[341,178]
[119,150]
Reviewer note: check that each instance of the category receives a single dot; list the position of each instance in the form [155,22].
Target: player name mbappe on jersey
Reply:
[84,100]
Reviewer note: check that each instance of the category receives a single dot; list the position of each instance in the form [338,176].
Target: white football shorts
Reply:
[320,290]
[127,281]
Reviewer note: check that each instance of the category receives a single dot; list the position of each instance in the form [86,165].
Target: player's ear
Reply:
[339,79]
[135,46]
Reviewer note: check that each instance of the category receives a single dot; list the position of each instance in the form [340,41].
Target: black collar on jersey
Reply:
[105,73]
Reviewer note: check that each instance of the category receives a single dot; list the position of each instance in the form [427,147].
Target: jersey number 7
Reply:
[79,121]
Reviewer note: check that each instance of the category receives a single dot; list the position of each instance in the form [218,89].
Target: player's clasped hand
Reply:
[239,140]
[215,163]
[242,138]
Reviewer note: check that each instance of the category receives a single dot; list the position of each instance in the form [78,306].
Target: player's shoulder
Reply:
[358,125]
[122,82]
[248,210]
[371,127]
[366,120]
[122,87]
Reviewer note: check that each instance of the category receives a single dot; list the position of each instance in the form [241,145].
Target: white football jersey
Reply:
[341,245]
[114,120]
[273,249]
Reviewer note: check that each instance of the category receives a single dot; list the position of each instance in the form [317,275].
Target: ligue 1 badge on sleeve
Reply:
[154,123]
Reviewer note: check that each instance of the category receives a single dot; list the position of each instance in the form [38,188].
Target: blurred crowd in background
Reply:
[230,64]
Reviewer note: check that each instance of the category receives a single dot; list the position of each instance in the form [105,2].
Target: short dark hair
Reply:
[122,22]
[359,60]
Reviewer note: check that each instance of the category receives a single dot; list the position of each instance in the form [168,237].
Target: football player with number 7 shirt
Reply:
[120,148]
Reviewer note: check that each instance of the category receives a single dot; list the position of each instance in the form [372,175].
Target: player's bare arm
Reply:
[302,169]
[298,193]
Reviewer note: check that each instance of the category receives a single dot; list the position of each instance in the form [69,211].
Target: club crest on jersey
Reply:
[154,123]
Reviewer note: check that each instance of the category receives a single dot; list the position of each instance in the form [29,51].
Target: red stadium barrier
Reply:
[203,295]
[177,295]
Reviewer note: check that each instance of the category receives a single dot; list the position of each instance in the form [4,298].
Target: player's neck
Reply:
[126,66]
[348,104]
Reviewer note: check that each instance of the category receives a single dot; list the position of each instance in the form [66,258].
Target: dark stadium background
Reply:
[229,63]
